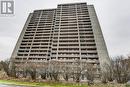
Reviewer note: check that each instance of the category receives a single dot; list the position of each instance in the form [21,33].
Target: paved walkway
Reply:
[1,85]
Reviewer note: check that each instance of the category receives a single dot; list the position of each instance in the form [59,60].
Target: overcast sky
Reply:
[114,17]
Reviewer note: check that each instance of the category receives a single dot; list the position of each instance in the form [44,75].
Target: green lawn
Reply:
[57,84]
[41,84]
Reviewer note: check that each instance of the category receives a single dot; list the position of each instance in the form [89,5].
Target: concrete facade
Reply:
[67,33]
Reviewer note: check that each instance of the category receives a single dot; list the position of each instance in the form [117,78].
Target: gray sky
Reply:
[114,17]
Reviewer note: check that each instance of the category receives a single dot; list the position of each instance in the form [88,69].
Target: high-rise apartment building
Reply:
[69,32]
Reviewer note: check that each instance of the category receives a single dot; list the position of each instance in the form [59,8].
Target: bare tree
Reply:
[128,61]
[24,69]
[44,71]
[90,73]
[66,71]
[32,70]
[77,70]
[121,70]
[118,70]
[108,73]
[1,67]
[5,66]
[54,70]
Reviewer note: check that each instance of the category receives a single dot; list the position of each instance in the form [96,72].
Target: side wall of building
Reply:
[14,54]
[100,42]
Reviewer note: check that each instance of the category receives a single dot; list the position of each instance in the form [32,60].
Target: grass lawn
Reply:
[41,84]
[54,84]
